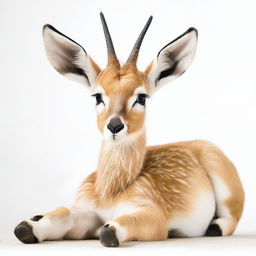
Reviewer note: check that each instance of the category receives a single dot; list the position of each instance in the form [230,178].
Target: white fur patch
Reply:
[195,222]
[221,193]
[51,228]
[101,106]
[76,78]
[132,100]
[224,224]
[121,232]
[87,66]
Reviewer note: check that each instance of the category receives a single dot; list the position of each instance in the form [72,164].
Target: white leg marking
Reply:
[51,228]
[121,232]
[222,193]
[224,224]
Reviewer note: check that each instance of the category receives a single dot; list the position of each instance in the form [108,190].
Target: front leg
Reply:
[147,224]
[61,223]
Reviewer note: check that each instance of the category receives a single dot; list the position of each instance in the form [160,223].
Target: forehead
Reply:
[122,81]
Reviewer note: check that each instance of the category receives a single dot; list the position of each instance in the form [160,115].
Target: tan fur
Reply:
[138,226]
[123,173]
[95,66]
[59,212]
[149,68]
[120,85]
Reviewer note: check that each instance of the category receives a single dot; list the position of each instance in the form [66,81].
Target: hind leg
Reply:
[61,223]
[229,205]
[228,190]
[228,209]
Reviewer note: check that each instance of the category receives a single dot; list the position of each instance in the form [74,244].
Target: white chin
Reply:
[112,137]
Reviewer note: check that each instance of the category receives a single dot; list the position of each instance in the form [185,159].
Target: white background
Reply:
[48,136]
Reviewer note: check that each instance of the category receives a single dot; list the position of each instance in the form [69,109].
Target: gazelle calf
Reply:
[184,189]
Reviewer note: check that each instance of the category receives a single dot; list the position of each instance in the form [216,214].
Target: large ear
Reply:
[68,57]
[173,59]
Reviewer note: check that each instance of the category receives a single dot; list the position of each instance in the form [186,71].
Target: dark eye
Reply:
[141,99]
[98,97]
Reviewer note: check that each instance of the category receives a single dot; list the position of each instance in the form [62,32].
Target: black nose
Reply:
[115,125]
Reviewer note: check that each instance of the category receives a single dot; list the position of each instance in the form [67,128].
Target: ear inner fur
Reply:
[68,57]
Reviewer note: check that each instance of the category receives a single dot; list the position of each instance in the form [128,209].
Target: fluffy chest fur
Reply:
[168,178]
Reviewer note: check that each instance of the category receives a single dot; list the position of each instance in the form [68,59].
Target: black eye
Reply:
[141,99]
[98,97]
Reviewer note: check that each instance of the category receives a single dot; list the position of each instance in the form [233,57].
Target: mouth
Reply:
[115,136]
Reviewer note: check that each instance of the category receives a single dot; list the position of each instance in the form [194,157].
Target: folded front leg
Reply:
[61,223]
[147,224]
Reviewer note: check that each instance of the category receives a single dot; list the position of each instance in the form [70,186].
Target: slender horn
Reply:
[136,48]
[112,59]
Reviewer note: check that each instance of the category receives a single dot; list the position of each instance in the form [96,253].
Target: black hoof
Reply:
[213,230]
[25,234]
[108,237]
[37,218]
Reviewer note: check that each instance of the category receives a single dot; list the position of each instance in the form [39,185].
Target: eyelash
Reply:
[98,97]
[141,99]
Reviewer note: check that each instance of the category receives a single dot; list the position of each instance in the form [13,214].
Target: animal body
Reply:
[184,189]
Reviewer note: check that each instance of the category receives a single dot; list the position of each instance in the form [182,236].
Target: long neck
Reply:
[119,165]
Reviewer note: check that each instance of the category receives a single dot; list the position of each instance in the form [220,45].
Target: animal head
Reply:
[120,92]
